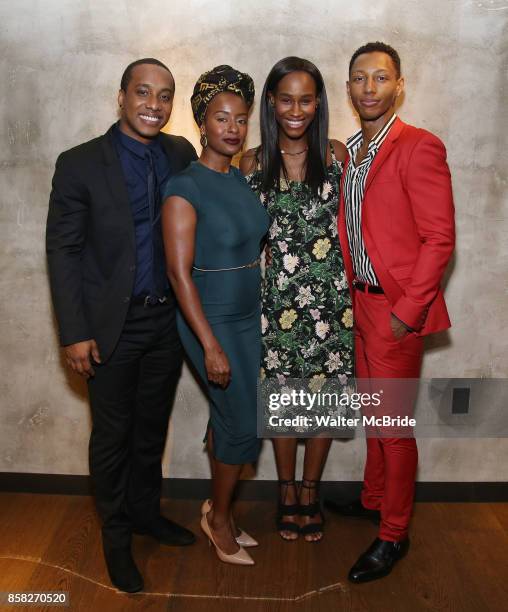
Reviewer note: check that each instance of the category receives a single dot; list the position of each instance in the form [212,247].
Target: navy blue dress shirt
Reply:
[146,169]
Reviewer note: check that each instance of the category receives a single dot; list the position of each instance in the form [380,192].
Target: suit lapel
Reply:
[175,162]
[392,289]
[385,151]
[116,180]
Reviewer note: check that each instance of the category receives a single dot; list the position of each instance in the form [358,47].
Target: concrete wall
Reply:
[60,67]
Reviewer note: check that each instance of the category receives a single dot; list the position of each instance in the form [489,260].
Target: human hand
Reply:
[217,366]
[78,357]
[399,330]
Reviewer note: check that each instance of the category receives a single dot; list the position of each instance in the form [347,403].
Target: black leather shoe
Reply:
[166,532]
[378,560]
[122,570]
[354,509]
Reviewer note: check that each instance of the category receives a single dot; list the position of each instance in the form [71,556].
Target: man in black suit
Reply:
[115,308]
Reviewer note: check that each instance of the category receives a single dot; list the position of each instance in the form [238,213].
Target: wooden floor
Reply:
[458,561]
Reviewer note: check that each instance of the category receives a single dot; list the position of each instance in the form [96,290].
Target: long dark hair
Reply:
[317,135]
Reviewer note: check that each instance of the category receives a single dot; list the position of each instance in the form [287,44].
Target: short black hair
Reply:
[377,46]
[127,73]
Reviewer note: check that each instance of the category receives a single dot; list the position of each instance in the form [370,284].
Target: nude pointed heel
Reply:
[244,539]
[206,506]
[241,557]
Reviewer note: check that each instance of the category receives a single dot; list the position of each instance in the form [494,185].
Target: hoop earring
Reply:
[204,141]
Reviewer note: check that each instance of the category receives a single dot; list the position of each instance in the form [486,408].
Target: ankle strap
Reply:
[312,484]
[287,483]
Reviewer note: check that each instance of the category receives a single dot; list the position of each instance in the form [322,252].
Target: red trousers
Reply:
[390,468]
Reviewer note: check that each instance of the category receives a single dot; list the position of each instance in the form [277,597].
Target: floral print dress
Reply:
[307,318]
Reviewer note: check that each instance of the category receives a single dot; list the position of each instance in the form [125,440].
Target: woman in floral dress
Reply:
[306,311]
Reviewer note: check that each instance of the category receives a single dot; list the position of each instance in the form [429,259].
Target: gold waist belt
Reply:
[252,264]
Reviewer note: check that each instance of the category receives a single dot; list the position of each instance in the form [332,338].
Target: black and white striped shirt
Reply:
[354,188]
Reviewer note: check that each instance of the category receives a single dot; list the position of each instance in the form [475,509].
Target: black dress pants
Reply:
[131,397]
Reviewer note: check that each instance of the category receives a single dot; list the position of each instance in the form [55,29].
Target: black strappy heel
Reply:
[311,510]
[284,509]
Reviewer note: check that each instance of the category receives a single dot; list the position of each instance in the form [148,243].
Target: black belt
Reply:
[150,300]
[366,288]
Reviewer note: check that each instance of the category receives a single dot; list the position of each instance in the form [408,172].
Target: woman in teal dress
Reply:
[307,318]
[213,227]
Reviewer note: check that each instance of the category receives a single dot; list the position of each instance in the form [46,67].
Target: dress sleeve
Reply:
[185,187]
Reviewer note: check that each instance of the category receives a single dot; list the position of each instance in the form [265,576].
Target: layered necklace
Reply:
[293,154]
[286,183]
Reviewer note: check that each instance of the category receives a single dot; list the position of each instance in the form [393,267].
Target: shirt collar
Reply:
[134,146]
[355,141]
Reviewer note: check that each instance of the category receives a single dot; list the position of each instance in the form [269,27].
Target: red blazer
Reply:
[408,225]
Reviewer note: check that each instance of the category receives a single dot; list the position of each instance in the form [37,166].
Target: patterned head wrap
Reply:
[216,81]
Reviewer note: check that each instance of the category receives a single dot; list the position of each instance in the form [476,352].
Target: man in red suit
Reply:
[396,227]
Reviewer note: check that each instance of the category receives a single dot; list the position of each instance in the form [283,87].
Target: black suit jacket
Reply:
[90,239]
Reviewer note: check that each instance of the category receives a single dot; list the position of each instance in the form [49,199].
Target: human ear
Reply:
[400,86]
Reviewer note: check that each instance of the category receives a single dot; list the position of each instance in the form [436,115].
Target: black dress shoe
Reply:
[354,509]
[122,570]
[378,560]
[166,532]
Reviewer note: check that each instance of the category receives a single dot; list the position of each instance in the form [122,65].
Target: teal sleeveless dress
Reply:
[231,225]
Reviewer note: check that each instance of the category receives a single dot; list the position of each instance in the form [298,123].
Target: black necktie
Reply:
[159,284]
